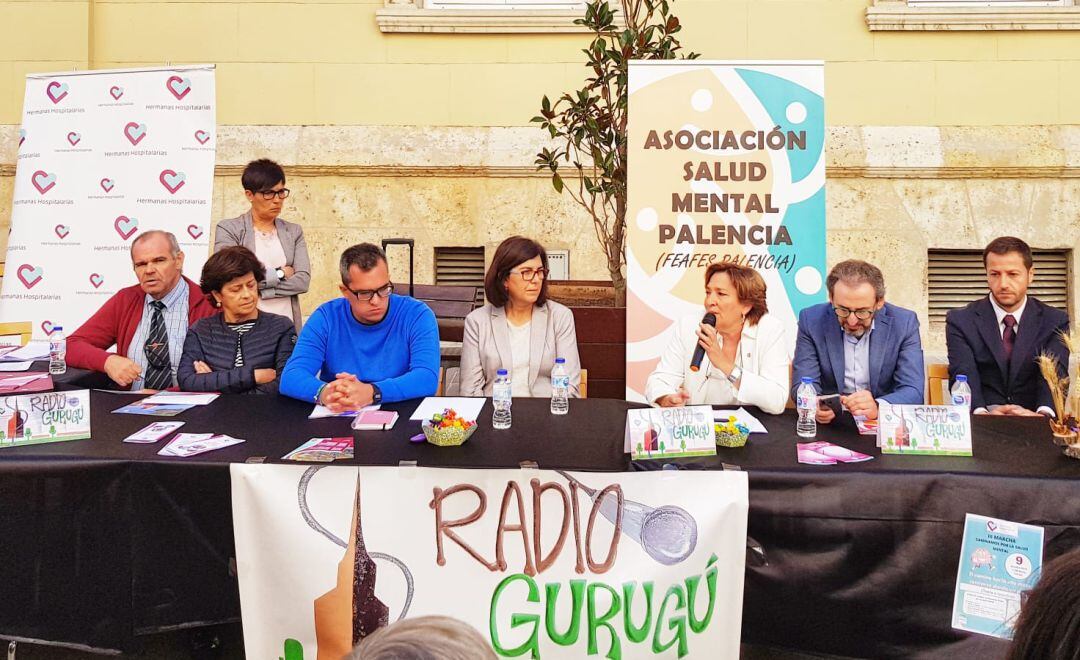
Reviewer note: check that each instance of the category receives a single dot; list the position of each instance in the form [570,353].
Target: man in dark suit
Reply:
[858,345]
[995,340]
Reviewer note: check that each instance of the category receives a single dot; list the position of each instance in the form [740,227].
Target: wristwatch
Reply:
[280,273]
[376,394]
[735,375]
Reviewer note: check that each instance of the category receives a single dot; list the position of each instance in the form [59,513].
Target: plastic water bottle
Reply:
[560,388]
[961,392]
[501,399]
[806,403]
[57,352]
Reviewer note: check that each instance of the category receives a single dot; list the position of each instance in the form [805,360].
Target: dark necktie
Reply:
[159,368]
[1008,337]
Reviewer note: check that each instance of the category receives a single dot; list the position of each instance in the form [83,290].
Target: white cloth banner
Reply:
[544,564]
[103,156]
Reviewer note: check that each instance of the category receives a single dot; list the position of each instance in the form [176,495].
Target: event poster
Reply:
[726,162]
[662,433]
[103,156]
[544,564]
[30,419]
[924,430]
[999,560]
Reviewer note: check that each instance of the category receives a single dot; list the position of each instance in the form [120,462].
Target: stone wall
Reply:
[893,193]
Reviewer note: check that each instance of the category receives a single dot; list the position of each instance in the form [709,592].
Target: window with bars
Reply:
[957,277]
[459,266]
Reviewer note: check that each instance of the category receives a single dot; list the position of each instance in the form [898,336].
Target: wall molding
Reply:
[413,16]
[896,15]
[529,172]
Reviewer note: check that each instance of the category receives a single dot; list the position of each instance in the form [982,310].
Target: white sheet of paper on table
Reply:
[183,398]
[15,366]
[321,411]
[741,416]
[467,408]
[35,350]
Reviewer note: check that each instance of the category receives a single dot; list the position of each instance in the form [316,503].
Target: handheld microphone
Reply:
[699,352]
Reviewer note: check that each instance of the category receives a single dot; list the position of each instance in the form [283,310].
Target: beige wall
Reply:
[938,139]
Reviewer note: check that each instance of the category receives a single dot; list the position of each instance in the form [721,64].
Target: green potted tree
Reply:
[588,160]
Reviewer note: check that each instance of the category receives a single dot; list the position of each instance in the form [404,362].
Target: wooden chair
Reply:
[22,328]
[937,379]
[439,389]
[584,384]
[451,305]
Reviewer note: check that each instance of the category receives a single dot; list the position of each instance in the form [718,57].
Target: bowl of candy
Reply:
[731,433]
[446,429]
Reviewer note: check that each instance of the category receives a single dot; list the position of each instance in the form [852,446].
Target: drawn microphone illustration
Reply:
[699,352]
[667,533]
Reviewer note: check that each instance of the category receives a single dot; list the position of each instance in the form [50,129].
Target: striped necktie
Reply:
[159,367]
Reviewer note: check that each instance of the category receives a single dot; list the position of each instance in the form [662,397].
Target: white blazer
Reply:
[766,370]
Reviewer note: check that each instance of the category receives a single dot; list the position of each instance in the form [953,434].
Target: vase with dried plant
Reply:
[1064,423]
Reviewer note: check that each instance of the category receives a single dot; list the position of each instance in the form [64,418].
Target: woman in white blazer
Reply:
[746,360]
[519,329]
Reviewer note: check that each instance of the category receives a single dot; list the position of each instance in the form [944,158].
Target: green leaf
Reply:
[557,181]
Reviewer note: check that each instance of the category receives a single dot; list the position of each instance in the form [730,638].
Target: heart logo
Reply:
[991,525]
[62,230]
[135,132]
[172,180]
[56,91]
[22,136]
[43,181]
[29,275]
[107,184]
[178,86]
[47,327]
[97,280]
[202,136]
[194,231]
[73,138]
[125,226]
[116,92]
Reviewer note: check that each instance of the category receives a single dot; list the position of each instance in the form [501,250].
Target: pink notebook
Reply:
[374,420]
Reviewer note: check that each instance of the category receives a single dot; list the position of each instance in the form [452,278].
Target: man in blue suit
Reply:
[858,345]
[995,340]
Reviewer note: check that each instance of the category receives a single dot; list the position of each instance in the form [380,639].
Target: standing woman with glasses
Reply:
[278,244]
[519,329]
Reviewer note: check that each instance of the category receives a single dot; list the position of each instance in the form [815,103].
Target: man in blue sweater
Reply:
[367,347]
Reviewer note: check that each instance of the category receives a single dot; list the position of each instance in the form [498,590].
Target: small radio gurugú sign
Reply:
[30,419]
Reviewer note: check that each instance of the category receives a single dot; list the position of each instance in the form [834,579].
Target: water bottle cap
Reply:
[961,378]
[560,360]
[807,379]
[501,372]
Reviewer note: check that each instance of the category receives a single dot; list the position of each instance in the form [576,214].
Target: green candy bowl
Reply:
[731,435]
[453,436]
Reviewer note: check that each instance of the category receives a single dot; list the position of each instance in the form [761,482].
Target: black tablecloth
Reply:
[105,540]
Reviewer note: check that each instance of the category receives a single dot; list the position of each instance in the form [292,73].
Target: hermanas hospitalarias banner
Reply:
[726,163]
[544,564]
[103,156]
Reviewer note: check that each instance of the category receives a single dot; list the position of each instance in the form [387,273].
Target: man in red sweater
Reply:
[147,323]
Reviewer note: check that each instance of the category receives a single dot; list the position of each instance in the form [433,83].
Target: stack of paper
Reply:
[321,411]
[322,450]
[190,444]
[826,453]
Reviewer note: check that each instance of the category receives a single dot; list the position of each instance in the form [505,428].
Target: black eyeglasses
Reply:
[270,194]
[530,274]
[383,292]
[861,314]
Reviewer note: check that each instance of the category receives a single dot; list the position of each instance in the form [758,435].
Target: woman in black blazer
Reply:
[240,350]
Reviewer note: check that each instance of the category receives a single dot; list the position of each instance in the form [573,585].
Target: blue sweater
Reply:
[399,354]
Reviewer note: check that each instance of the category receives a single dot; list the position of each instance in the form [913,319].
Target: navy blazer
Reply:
[267,345]
[896,356]
[976,350]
